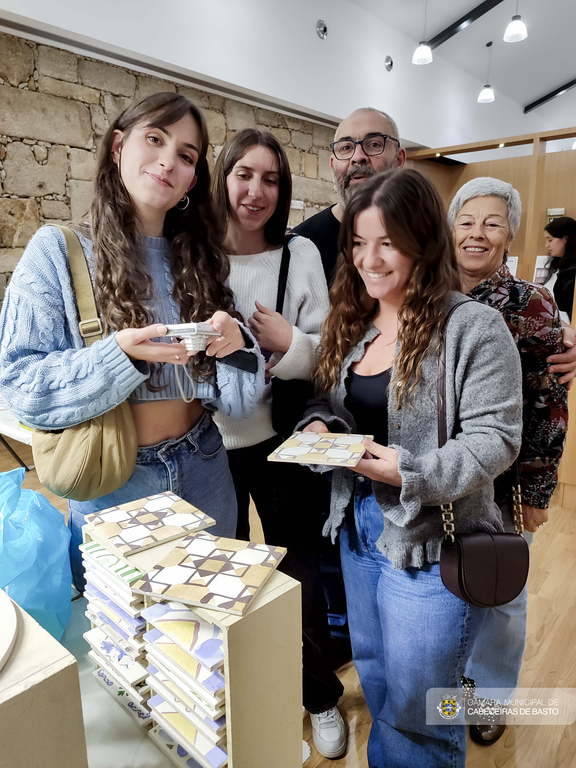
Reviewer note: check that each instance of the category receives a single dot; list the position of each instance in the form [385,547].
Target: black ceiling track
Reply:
[463,22]
[549,96]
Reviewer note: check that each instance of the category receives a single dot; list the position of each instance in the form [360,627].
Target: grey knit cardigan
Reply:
[484,420]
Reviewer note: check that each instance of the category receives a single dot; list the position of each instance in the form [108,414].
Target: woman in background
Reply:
[485,216]
[252,190]
[560,236]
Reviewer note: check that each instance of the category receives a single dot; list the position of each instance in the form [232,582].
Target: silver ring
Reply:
[177,357]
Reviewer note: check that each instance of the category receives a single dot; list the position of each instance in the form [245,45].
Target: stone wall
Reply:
[55,107]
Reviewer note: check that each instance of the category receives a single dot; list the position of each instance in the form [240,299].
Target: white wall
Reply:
[270,47]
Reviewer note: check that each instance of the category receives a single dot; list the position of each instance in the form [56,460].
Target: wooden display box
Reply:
[40,709]
[262,668]
[263,673]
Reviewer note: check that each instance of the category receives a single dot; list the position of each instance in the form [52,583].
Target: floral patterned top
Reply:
[534,322]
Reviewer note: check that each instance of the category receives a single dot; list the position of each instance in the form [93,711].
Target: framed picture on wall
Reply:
[540,270]
[512,264]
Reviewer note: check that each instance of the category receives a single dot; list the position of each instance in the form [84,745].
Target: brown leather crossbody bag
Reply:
[484,569]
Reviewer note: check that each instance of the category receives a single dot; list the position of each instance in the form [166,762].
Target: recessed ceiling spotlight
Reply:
[500,145]
[321,29]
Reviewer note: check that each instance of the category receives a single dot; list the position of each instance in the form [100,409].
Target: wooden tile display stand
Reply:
[255,719]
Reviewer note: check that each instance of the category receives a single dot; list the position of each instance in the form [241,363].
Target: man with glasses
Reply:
[366,143]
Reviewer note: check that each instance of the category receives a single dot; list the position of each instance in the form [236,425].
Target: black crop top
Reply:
[367,401]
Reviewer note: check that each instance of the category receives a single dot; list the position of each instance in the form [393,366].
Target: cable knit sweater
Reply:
[255,277]
[51,380]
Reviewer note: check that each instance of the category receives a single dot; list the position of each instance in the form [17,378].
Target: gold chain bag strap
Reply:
[91,459]
[484,569]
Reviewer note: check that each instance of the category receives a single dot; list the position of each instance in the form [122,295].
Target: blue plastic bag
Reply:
[34,555]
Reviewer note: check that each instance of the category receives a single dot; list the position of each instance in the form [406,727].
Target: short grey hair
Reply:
[486,186]
[387,117]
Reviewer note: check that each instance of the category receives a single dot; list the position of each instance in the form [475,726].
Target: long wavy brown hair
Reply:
[415,221]
[123,289]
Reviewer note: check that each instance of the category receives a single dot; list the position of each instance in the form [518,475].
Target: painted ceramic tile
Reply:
[139,693]
[125,644]
[131,671]
[189,737]
[214,702]
[117,633]
[144,523]
[136,624]
[121,626]
[337,450]
[95,553]
[212,572]
[212,681]
[194,635]
[135,709]
[212,707]
[175,751]
[163,684]
[133,609]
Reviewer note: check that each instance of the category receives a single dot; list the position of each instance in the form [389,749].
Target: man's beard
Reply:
[344,188]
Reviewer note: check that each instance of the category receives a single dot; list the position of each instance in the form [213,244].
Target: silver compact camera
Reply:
[194,336]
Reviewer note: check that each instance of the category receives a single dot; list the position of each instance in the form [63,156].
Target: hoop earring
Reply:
[185,200]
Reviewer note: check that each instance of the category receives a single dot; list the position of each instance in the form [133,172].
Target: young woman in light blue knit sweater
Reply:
[153,248]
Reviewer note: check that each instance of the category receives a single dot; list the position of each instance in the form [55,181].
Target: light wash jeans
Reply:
[409,634]
[497,653]
[194,467]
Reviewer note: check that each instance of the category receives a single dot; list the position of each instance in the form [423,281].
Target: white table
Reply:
[10,426]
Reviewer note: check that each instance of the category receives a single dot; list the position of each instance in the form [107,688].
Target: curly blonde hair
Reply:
[415,221]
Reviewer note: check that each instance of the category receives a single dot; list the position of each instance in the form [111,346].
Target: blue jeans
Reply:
[194,467]
[409,634]
[497,654]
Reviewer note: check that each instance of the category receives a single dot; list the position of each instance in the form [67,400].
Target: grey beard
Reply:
[344,189]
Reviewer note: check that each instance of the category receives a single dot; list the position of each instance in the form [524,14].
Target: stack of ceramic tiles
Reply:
[184,651]
[185,665]
[112,538]
[161,660]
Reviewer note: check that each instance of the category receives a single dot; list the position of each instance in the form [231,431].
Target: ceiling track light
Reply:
[423,54]
[516,30]
[486,95]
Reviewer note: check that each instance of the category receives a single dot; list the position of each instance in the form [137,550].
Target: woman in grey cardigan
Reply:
[396,280]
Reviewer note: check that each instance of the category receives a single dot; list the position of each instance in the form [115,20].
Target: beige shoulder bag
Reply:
[94,458]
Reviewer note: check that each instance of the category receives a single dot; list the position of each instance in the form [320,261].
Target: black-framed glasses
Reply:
[374,144]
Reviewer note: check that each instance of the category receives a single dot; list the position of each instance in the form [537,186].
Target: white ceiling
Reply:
[522,71]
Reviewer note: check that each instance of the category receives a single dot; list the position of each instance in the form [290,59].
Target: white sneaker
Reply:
[329,733]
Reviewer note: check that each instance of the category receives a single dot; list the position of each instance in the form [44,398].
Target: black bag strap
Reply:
[283,277]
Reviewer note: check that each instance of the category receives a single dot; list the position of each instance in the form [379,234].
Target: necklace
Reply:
[386,344]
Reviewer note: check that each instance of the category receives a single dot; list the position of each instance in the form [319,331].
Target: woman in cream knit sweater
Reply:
[252,189]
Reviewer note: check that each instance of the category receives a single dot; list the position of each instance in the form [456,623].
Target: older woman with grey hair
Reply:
[485,216]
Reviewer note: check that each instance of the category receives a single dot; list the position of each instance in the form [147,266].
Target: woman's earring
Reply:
[185,200]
